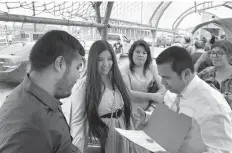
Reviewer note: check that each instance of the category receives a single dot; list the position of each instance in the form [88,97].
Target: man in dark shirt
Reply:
[31,119]
[118,49]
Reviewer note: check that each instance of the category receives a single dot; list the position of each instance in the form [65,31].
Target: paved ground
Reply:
[6,88]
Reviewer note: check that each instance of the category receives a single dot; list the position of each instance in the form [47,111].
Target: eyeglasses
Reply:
[218,54]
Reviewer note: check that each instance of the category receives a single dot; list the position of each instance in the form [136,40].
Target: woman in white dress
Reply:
[102,99]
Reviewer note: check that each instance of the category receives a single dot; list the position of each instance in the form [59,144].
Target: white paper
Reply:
[141,138]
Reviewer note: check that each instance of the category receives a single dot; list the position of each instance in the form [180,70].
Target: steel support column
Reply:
[106,20]
[153,32]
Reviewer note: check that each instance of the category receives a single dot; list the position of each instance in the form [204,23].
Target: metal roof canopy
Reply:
[193,10]
[225,24]
[104,22]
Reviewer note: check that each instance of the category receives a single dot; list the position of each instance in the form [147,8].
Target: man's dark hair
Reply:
[199,45]
[51,45]
[212,40]
[178,56]
[204,40]
[187,39]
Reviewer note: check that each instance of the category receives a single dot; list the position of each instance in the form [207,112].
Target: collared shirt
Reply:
[31,121]
[211,129]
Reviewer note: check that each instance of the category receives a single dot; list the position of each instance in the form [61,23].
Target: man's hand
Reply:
[139,116]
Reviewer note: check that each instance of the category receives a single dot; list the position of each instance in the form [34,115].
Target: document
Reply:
[165,130]
[168,128]
[140,138]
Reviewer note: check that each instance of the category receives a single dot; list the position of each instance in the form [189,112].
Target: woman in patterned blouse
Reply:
[220,74]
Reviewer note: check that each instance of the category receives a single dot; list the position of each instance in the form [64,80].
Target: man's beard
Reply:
[62,88]
[63,95]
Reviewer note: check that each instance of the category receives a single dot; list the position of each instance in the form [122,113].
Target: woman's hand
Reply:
[204,57]
[139,116]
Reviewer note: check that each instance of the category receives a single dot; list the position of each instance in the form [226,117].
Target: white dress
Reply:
[78,124]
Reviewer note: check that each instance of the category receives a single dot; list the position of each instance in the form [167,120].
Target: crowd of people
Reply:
[187,79]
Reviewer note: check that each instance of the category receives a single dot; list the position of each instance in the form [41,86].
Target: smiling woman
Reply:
[101,100]
[220,74]
[105,63]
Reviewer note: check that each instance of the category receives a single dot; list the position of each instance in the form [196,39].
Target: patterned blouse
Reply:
[209,74]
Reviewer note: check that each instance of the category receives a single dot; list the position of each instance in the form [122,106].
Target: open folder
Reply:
[166,129]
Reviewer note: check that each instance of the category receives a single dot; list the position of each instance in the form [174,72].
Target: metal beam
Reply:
[186,12]
[212,15]
[33,6]
[157,8]
[227,6]
[157,22]
[159,17]
[40,20]
[29,19]
[132,28]
[106,18]
[126,22]
[140,28]
[153,32]
[178,23]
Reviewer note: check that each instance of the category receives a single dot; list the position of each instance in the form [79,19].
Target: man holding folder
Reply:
[211,128]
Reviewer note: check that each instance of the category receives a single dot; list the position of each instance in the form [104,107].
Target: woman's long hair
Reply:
[94,92]
[131,51]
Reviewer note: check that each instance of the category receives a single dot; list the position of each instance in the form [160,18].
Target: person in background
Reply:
[101,102]
[204,40]
[186,43]
[118,49]
[207,47]
[210,43]
[177,44]
[211,128]
[195,39]
[220,74]
[31,117]
[213,39]
[199,50]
